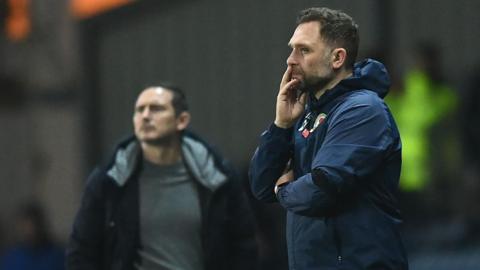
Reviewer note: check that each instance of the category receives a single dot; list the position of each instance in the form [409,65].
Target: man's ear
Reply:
[339,56]
[183,120]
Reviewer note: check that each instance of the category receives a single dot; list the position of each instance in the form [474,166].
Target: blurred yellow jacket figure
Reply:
[421,105]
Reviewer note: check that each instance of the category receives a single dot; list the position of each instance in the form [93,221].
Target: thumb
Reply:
[303,99]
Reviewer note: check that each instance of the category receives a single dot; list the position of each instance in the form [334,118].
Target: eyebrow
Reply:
[141,106]
[301,44]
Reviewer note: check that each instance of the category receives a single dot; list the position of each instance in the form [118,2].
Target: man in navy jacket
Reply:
[332,157]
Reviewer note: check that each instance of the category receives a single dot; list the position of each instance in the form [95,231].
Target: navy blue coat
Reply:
[346,156]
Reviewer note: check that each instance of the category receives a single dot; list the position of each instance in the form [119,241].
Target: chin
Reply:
[157,140]
[148,138]
[151,138]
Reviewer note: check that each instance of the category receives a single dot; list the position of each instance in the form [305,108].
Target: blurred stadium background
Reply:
[70,71]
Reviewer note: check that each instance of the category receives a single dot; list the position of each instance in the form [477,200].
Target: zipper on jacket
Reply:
[205,198]
[338,244]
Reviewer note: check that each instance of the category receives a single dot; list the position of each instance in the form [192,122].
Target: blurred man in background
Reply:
[425,108]
[165,201]
[332,157]
[35,248]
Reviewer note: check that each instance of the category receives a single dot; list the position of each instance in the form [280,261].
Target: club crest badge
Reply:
[320,119]
[307,128]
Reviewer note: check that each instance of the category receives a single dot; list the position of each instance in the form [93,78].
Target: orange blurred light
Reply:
[17,24]
[87,8]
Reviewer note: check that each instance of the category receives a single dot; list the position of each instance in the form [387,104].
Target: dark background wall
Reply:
[228,56]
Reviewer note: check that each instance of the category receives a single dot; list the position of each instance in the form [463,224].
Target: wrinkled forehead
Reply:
[307,33]
[154,95]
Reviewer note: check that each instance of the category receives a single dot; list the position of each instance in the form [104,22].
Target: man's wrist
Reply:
[277,131]
[282,124]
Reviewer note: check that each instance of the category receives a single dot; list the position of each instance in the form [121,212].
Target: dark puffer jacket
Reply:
[106,235]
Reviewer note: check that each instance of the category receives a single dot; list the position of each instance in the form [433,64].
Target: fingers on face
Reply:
[303,98]
[287,75]
[291,84]
[288,85]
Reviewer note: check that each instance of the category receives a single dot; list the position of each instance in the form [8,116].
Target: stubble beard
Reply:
[162,141]
[314,84]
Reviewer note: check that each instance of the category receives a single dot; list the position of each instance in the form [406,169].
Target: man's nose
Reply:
[146,113]
[292,59]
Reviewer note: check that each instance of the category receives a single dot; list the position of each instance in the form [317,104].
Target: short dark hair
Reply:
[336,28]
[179,100]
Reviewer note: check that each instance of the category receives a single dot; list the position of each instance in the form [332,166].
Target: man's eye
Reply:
[156,108]
[304,50]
